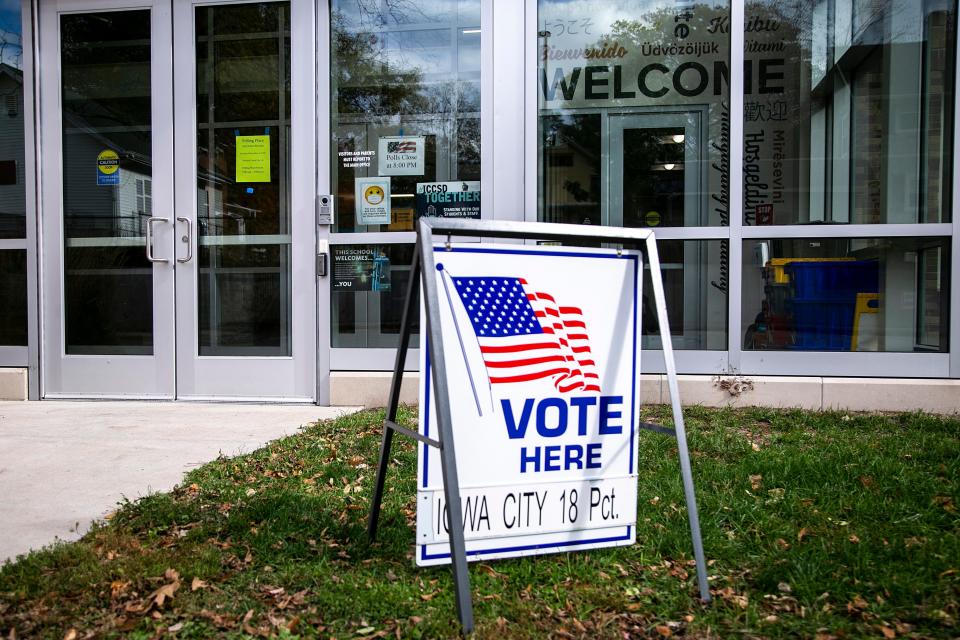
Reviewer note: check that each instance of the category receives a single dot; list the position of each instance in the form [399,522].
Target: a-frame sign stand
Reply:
[423,267]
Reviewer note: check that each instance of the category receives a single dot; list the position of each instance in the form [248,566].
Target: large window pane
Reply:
[13,298]
[13,263]
[405,111]
[107,182]
[848,111]
[696,291]
[243,179]
[12,188]
[367,295]
[860,294]
[633,112]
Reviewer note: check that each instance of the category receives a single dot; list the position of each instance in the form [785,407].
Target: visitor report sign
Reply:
[542,364]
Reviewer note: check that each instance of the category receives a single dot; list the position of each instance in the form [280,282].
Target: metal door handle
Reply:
[149,239]
[188,239]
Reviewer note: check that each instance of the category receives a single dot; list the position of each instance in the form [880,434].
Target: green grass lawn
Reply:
[820,525]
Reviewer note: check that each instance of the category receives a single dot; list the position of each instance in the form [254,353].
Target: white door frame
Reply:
[323,186]
[105,376]
[175,370]
[695,187]
[289,378]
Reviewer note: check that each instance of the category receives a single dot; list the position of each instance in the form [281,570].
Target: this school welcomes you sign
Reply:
[542,365]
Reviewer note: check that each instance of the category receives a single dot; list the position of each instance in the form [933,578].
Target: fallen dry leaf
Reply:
[857,604]
[888,632]
[853,538]
[245,623]
[70,635]
[946,502]
[755,481]
[159,597]
[802,534]
[118,588]
[664,630]
[903,627]
[490,570]
[197,584]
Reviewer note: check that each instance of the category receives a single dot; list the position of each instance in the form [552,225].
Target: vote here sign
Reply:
[542,361]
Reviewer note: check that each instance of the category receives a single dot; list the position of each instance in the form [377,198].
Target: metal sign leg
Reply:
[448,458]
[393,401]
[681,433]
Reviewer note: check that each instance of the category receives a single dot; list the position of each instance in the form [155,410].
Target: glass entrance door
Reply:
[107,199]
[182,232]
[245,186]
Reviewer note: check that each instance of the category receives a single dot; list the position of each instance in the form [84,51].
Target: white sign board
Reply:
[542,363]
[373,200]
[401,155]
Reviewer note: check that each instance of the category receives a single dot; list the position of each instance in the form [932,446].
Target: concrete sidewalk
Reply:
[64,464]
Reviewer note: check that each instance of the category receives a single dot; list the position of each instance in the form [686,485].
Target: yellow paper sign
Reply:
[253,158]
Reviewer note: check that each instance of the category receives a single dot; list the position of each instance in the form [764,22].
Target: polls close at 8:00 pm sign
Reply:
[542,363]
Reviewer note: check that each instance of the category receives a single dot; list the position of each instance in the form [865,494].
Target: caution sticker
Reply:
[108,167]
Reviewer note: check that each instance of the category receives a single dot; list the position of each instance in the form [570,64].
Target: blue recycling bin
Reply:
[825,298]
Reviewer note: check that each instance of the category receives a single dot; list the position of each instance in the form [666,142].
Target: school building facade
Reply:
[216,200]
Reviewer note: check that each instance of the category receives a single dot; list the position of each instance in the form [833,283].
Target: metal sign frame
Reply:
[423,266]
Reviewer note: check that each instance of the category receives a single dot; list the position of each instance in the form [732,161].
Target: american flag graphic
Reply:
[402,147]
[525,335]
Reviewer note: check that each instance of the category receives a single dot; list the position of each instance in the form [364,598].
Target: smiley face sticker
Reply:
[372,200]
[374,195]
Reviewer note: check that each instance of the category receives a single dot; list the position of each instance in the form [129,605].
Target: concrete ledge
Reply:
[750,391]
[651,388]
[892,394]
[370,388]
[13,383]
